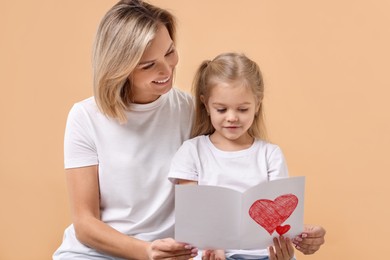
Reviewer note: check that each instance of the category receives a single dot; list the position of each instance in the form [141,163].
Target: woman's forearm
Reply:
[100,236]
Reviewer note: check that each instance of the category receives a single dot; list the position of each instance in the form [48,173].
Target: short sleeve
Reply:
[185,164]
[277,167]
[79,146]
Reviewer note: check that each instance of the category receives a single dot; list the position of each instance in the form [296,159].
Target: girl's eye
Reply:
[243,109]
[221,110]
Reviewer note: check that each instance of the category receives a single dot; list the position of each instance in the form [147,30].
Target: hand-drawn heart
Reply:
[271,214]
[282,229]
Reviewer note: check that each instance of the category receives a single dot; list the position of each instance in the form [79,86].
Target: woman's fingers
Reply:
[310,240]
[169,248]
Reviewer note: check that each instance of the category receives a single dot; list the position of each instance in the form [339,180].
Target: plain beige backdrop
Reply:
[326,68]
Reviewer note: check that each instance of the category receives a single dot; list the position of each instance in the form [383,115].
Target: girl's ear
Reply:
[258,107]
[204,103]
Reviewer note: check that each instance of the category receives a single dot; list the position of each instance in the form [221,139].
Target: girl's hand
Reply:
[282,249]
[310,240]
[168,248]
[213,255]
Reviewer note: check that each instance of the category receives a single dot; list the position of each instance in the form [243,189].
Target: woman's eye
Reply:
[147,66]
[170,52]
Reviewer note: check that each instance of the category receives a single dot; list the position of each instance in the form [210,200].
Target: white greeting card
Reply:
[211,217]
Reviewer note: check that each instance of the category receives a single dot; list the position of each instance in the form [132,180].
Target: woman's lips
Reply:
[163,81]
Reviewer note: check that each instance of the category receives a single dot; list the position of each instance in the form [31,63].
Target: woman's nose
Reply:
[165,68]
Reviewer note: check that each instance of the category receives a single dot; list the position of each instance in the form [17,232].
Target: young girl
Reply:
[228,147]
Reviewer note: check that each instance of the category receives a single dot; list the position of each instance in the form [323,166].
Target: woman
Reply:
[119,143]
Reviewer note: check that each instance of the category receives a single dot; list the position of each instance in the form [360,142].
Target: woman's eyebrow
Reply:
[150,61]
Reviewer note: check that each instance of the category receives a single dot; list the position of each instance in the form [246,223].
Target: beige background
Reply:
[325,65]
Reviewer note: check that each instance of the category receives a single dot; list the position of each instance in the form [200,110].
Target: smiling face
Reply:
[232,108]
[153,76]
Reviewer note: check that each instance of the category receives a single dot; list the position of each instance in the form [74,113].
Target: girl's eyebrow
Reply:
[221,104]
[151,61]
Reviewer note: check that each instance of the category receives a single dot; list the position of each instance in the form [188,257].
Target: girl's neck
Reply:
[228,145]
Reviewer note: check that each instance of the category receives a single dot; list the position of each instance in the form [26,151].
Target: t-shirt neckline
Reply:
[230,154]
[150,106]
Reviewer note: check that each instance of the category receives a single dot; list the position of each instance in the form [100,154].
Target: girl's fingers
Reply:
[290,248]
[282,243]
[272,255]
[282,249]
[278,249]
[208,255]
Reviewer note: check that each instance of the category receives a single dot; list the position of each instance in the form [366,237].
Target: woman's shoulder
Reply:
[88,103]
[83,108]
[181,94]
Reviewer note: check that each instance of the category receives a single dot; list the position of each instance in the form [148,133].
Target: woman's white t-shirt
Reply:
[136,197]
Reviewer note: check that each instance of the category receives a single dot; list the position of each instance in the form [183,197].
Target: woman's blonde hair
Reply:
[122,37]
[227,68]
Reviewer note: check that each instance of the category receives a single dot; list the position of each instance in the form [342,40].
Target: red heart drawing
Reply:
[271,214]
[282,229]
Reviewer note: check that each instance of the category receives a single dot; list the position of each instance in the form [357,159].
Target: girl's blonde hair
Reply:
[122,37]
[227,68]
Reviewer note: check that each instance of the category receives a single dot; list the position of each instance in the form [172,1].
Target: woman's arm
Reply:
[83,186]
[311,239]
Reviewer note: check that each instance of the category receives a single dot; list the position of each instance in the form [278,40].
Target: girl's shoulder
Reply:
[267,146]
[196,141]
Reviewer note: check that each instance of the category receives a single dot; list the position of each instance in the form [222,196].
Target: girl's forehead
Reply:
[231,93]
[238,85]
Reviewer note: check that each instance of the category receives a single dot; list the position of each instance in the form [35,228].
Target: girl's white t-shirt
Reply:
[136,197]
[199,160]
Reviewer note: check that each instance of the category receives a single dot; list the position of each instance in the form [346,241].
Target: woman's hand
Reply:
[213,255]
[310,240]
[168,248]
[282,249]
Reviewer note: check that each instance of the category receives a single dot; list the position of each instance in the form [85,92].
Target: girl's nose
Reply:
[232,117]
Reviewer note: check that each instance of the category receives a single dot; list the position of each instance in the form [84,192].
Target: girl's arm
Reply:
[83,186]
[185,182]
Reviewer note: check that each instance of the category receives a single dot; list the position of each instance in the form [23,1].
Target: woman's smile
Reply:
[163,81]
